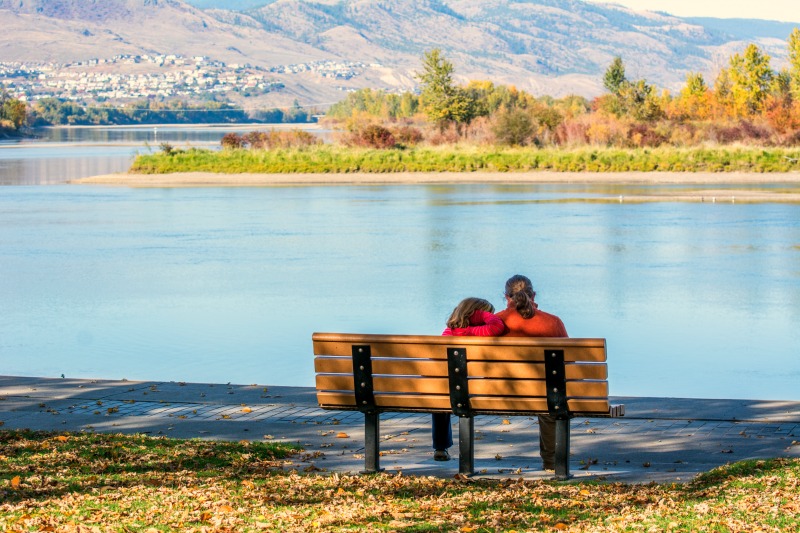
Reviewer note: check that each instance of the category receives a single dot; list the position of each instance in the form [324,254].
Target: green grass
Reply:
[337,159]
[96,482]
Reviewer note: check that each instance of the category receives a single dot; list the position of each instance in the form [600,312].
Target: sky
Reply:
[782,10]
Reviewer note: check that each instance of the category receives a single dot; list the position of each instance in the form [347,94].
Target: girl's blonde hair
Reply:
[460,316]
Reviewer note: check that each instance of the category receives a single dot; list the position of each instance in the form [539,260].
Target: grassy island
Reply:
[337,159]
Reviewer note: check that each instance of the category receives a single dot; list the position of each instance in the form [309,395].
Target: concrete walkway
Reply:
[659,439]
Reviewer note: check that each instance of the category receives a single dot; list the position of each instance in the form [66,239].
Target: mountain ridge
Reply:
[554,47]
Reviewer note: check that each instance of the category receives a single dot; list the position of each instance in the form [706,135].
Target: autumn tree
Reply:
[722,101]
[794,63]
[13,112]
[694,100]
[751,79]
[443,101]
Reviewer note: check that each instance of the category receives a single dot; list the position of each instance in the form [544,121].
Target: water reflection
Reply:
[57,155]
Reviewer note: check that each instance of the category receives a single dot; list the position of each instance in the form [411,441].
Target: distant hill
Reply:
[746,29]
[552,47]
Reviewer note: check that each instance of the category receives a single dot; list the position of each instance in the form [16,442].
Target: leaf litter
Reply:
[88,482]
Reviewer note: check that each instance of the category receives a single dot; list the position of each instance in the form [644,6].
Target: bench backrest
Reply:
[464,375]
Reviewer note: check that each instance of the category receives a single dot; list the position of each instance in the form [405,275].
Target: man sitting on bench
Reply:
[522,318]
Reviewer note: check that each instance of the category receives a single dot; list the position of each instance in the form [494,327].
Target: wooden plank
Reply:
[404,402]
[409,401]
[475,352]
[413,351]
[489,404]
[401,367]
[534,370]
[527,387]
[333,365]
[336,399]
[364,338]
[420,385]
[478,348]
[536,405]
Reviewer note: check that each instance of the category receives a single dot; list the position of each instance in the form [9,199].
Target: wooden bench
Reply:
[466,376]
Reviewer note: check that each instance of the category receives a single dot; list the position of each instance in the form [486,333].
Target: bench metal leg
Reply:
[562,449]
[466,445]
[371,443]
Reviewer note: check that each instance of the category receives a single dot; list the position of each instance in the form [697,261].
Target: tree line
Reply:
[749,101]
[15,114]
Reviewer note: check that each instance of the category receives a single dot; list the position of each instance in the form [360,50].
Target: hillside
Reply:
[543,46]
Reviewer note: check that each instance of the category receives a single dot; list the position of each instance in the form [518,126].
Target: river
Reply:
[227,284]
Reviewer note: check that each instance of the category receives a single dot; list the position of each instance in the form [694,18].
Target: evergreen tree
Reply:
[441,99]
[614,78]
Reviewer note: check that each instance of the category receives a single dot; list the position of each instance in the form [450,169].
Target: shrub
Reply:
[376,136]
[572,132]
[232,141]
[270,140]
[371,136]
[167,149]
[514,127]
[407,135]
[642,135]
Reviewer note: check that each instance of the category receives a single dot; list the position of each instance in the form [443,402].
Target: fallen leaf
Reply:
[62,438]
[247,410]
[15,482]
[342,435]
[205,516]
[560,526]
[585,492]
[506,421]
[225,509]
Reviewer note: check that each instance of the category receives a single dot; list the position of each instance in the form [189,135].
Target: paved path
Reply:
[659,439]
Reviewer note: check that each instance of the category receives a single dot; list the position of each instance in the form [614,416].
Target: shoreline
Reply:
[701,186]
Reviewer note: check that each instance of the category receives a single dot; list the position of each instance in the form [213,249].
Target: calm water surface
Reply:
[57,155]
[215,284]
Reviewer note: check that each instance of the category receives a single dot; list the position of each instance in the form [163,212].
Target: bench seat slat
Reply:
[535,371]
[478,348]
[344,382]
[527,387]
[482,387]
[485,404]
[474,353]
[415,367]
[403,367]
[409,402]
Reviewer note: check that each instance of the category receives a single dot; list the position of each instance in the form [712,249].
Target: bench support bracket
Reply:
[562,449]
[459,381]
[372,434]
[362,378]
[466,445]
